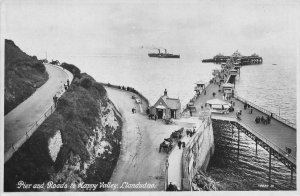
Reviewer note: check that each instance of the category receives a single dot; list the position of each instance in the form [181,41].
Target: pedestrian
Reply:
[251,110]
[55,100]
[183,144]
[155,117]
[179,144]
[262,119]
[204,92]
[132,110]
[170,187]
[191,112]
[68,83]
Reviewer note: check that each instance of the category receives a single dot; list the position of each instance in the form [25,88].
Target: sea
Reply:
[271,85]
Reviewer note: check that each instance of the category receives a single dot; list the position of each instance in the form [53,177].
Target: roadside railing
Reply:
[14,147]
[120,88]
[275,116]
[259,135]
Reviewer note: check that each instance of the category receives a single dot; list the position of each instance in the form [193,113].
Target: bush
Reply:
[100,88]
[72,68]
[39,66]
[86,83]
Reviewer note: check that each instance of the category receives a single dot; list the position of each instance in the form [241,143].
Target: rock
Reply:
[54,145]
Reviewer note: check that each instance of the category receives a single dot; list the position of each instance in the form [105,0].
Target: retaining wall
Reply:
[197,153]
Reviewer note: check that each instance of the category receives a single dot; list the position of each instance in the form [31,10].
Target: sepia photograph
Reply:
[155,96]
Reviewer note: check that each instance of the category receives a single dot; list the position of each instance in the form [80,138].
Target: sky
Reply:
[191,28]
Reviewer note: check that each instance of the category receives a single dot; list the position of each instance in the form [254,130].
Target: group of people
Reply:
[246,105]
[263,120]
[238,114]
[55,97]
[181,144]
[172,187]
[133,110]
[190,133]
[151,116]
[66,86]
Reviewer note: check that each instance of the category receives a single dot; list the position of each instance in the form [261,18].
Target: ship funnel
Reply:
[165,51]
[158,51]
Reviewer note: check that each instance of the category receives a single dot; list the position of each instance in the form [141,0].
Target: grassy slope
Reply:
[76,116]
[23,75]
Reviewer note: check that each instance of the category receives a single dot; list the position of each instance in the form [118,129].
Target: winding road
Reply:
[139,160]
[23,117]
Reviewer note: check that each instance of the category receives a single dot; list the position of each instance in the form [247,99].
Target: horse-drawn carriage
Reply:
[177,134]
[168,143]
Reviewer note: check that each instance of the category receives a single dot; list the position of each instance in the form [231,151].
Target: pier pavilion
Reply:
[236,57]
[200,85]
[166,108]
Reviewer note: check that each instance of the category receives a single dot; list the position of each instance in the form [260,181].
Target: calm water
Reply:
[270,86]
[249,171]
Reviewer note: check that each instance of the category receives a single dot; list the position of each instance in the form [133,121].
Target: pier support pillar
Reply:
[238,154]
[292,175]
[256,146]
[270,152]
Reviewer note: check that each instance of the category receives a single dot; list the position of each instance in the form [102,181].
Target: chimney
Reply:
[165,92]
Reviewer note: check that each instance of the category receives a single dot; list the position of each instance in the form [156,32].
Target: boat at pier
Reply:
[163,55]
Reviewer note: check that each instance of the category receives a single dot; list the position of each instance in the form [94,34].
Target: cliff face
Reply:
[23,75]
[78,143]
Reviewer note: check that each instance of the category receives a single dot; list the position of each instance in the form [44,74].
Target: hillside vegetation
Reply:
[90,129]
[23,75]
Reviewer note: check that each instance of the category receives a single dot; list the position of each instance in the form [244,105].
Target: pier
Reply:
[278,137]
[243,60]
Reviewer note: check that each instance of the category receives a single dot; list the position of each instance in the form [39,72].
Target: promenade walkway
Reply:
[24,116]
[175,165]
[276,132]
[175,158]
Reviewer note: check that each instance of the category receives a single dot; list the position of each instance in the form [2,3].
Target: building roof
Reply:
[217,102]
[230,85]
[172,103]
[200,82]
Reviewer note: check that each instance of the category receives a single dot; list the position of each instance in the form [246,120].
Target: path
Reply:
[139,161]
[23,117]
[175,165]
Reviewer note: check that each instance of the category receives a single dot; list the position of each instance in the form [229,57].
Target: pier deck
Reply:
[276,132]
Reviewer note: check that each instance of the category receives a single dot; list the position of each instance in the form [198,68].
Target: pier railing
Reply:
[275,116]
[120,88]
[259,135]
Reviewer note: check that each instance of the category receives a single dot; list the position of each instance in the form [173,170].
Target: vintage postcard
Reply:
[149,96]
